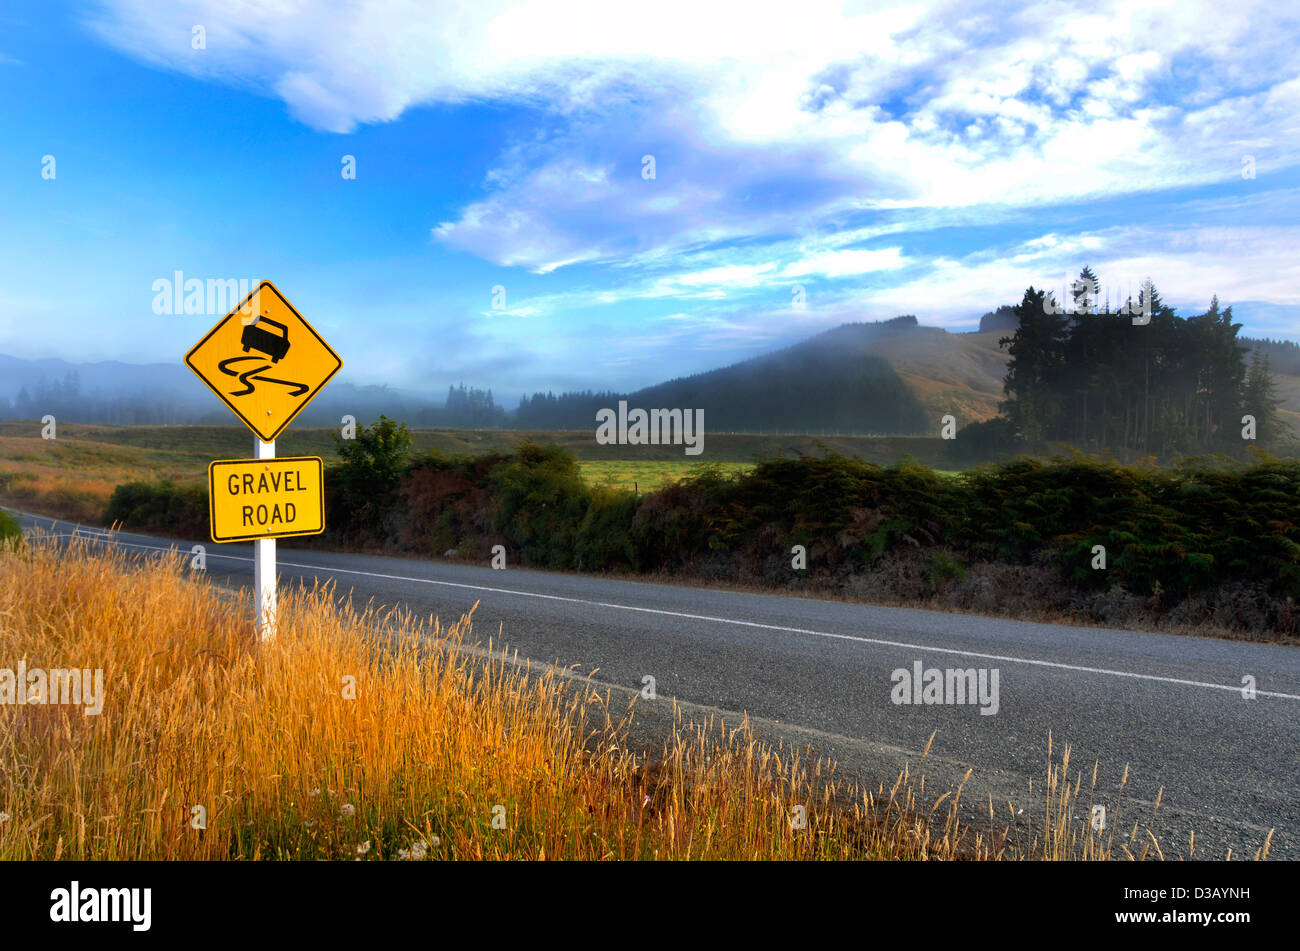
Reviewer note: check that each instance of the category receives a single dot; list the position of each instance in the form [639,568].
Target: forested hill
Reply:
[829,382]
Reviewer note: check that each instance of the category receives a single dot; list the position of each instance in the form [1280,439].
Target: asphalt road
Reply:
[821,673]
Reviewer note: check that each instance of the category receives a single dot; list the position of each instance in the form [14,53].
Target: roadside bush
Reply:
[1019,591]
[1176,540]
[671,526]
[449,503]
[541,500]
[846,512]
[1184,530]
[898,579]
[982,441]
[1015,508]
[363,491]
[163,507]
[944,568]
[604,540]
[9,527]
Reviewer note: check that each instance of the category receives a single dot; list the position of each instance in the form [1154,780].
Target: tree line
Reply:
[63,398]
[1137,378]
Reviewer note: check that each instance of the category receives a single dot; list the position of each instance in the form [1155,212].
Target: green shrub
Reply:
[541,500]
[604,540]
[672,526]
[9,527]
[363,490]
[943,569]
[449,502]
[163,506]
[839,508]
[982,441]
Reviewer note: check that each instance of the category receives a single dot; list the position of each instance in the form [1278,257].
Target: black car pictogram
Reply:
[274,345]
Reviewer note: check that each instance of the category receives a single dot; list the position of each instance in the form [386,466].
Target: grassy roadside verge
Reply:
[333,743]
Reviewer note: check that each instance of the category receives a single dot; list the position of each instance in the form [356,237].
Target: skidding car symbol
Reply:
[268,342]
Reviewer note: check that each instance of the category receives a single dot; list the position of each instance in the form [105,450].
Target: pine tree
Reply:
[1259,399]
[1034,371]
[1084,292]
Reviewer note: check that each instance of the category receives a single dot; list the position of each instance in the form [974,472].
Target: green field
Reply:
[648,476]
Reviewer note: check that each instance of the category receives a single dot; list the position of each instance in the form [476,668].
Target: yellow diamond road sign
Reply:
[265,361]
[266,498]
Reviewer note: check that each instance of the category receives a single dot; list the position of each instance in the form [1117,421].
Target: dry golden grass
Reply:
[73,478]
[72,496]
[438,740]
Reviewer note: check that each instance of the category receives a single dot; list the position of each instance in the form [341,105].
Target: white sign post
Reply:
[264,563]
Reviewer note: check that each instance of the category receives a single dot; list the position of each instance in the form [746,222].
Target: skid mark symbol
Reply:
[248,376]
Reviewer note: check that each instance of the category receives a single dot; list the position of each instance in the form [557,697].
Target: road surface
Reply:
[822,673]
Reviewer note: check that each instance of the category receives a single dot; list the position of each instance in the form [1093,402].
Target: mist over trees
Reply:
[164,402]
[830,382]
[63,398]
[1004,318]
[1094,378]
[1283,355]
[576,410]
[472,408]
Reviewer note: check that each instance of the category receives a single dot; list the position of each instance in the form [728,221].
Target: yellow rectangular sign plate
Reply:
[266,498]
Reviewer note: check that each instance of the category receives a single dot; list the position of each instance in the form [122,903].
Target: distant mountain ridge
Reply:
[892,376]
[889,377]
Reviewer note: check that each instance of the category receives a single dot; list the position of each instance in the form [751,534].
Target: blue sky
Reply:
[932,159]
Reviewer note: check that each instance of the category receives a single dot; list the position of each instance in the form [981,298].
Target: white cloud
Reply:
[752,74]
[844,263]
[775,126]
[1188,266]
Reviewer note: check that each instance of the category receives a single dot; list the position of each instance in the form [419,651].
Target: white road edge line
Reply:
[1055,665]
